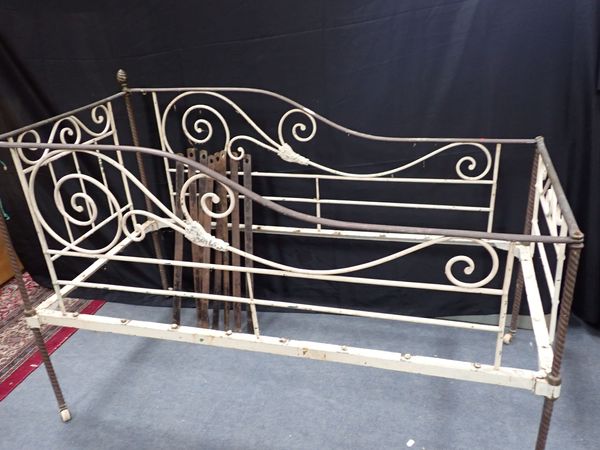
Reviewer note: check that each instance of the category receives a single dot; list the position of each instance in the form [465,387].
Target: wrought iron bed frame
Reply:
[70,137]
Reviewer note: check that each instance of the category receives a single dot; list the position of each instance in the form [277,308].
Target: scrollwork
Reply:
[69,129]
[298,126]
[206,197]
[75,200]
[468,270]
[470,267]
[549,202]
[303,130]
[82,201]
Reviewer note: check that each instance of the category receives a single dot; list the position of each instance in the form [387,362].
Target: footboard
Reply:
[92,199]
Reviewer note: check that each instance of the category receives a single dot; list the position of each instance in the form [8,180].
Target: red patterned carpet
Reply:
[18,354]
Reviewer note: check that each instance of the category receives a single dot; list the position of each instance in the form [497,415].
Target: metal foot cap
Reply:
[65,415]
[507,339]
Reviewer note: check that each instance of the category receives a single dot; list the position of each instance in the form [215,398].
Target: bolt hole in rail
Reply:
[91,199]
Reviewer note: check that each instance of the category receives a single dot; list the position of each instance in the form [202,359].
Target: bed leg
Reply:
[531,199]
[516,308]
[574,253]
[122,80]
[65,414]
[29,311]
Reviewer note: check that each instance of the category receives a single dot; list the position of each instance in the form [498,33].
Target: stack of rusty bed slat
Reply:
[220,282]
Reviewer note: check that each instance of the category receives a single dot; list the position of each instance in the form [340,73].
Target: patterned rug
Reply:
[18,354]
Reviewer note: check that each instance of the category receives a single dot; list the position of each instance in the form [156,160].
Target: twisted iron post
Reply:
[122,80]
[29,311]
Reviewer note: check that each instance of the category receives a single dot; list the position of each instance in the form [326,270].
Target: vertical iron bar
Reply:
[516,307]
[318,201]
[492,205]
[122,80]
[510,258]
[252,306]
[574,253]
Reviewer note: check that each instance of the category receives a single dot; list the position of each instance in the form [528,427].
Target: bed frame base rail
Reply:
[534,381]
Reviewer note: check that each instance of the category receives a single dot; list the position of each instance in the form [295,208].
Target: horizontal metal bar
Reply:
[446,368]
[282,273]
[58,117]
[331,201]
[326,233]
[387,179]
[379,179]
[287,305]
[368,235]
[298,215]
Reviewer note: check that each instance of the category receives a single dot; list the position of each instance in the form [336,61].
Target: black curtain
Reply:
[410,68]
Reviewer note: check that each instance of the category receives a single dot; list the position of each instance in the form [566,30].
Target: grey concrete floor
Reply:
[136,393]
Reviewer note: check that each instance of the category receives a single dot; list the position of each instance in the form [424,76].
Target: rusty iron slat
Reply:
[236,280]
[212,255]
[248,242]
[178,251]
[223,233]
[195,215]
[203,274]
[219,167]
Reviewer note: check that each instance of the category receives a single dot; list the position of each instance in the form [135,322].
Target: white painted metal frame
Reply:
[33,153]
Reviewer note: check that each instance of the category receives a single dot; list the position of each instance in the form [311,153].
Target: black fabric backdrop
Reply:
[410,68]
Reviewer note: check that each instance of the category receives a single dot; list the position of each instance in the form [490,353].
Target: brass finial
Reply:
[122,78]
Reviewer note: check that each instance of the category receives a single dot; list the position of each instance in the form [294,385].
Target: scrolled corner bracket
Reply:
[285,152]
[196,234]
